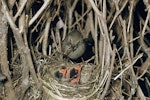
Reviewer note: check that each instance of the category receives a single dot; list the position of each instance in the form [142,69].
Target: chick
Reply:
[73,46]
[86,73]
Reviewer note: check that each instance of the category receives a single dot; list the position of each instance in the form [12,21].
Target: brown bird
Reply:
[73,45]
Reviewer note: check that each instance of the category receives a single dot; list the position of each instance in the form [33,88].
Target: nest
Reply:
[89,86]
[114,66]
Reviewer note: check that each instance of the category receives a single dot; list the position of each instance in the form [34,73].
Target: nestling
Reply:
[73,46]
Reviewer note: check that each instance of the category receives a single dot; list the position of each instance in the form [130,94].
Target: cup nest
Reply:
[90,85]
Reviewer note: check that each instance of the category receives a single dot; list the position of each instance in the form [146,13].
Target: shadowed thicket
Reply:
[116,34]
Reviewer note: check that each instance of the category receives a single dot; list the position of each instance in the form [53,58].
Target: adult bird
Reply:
[73,45]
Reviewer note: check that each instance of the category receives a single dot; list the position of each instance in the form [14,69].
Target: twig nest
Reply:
[65,80]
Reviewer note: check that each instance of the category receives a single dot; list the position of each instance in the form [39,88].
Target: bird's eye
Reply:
[58,74]
[73,73]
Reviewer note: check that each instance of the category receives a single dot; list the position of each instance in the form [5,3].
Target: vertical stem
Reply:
[95,41]
[45,39]
[3,57]
[70,12]
[146,22]
[104,9]
[19,41]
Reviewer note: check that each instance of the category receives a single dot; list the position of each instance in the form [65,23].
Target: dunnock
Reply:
[73,45]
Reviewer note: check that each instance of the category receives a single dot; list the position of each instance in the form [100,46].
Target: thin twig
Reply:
[109,77]
[81,18]
[130,14]
[71,10]
[117,13]
[96,41]
[45,39]
[104,9]
[129,65]
[146,22]
[40,11]
[22,5]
